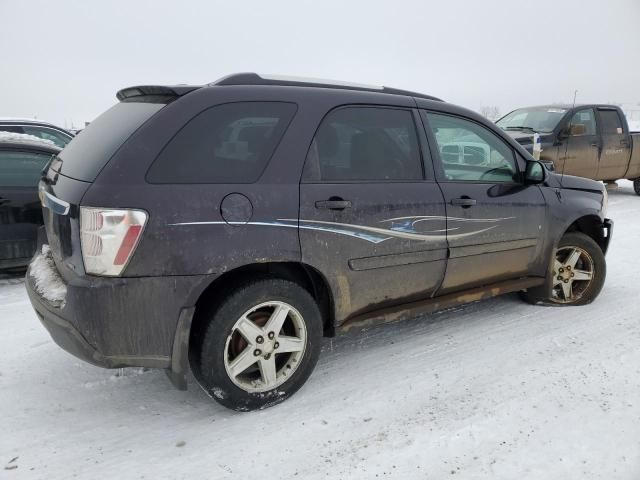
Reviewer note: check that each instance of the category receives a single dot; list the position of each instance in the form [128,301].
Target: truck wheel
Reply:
[577,273]
[636,185]
[260,345]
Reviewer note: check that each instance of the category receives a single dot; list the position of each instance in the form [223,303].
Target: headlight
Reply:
[605,201]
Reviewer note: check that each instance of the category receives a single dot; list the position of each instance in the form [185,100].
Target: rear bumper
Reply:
[607,230]
[70,339]
[118,322]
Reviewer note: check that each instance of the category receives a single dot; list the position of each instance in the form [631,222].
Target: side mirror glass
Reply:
[535,173]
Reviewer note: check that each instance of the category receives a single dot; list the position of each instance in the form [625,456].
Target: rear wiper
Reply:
[520,128]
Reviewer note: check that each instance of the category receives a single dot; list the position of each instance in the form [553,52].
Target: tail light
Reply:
[108,238]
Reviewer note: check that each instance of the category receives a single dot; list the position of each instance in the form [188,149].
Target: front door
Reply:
[494,221]
[20,209]
[580,152]
[616,147]
[371,220]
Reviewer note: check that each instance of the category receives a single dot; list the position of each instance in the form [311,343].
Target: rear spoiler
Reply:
[155,91]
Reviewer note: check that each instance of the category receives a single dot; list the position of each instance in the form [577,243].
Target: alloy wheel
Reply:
[573,272]
[265,347]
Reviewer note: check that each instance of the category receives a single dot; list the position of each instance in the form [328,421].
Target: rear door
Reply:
[580,155]
[372,219]
[495,223]
[616,148]
[20,210]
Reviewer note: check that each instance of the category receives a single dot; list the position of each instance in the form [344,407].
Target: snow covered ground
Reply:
[497,389]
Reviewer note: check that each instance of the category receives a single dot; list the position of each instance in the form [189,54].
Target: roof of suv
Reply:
[255,79]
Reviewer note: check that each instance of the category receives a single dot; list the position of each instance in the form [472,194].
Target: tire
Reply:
[225,350]
[583,291]
[636,186]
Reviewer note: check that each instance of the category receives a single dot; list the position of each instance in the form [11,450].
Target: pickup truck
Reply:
[592,141]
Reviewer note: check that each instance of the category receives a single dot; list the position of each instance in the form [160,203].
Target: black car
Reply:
[228,227]
[43,130]
[21,164]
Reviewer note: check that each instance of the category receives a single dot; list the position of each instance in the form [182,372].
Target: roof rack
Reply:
[255,79]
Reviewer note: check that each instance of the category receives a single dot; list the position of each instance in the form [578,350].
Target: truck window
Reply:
[365,144]
[229,143]
[586,118]
[610,122]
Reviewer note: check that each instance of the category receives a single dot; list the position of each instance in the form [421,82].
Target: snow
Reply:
[24,138]
[496,389]
[47,281]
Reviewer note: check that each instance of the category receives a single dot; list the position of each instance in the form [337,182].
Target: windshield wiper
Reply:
[520,128]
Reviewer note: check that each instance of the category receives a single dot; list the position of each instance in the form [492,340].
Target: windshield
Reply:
[542,120]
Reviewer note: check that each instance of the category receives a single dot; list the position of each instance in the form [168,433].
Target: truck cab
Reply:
[592,141]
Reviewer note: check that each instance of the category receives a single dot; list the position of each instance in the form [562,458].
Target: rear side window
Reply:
[365,144]
[91,149]
[21,169]
[230,143]
[610,121]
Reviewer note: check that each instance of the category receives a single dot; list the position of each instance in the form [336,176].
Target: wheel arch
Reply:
[590,225]
[305,275]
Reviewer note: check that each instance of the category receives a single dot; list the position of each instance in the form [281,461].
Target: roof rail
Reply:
[255,79]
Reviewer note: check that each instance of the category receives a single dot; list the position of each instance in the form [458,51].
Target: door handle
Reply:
[595,144]
[464,202]
[333,204]
[4,200]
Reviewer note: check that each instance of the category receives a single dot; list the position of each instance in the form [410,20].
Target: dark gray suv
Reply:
[228,228]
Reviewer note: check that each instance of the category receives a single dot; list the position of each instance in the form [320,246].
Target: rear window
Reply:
[230,143]
[91,149]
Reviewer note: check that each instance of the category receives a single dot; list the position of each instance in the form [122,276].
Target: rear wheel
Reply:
[261,344]
[577,274]
[636,185]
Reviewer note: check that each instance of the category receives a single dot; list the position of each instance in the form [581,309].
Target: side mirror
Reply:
[577,129]
[563,133]
[535,173]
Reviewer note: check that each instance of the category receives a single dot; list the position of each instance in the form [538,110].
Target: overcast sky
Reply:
[64,60]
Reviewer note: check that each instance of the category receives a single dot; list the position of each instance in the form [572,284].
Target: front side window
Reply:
[366,144]
[583,122]
[611,123]
[470,152]
[230,143]
[21,169]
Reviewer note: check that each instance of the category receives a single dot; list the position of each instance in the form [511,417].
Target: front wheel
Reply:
[636,185]
[577,274]
[261,344]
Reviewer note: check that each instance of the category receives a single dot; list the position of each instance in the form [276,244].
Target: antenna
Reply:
[566,146]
